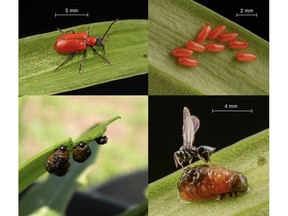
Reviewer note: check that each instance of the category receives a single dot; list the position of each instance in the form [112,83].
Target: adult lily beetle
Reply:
[187,151]
[78,42]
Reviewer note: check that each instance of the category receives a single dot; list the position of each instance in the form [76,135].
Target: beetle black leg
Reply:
[95,51]
[222,196]
[88,30]
[66,31]
[82,62]
[63,63]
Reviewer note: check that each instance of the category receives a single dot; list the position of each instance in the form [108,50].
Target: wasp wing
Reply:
[190,126]
[196,123]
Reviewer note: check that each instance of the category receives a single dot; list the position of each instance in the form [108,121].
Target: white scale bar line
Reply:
[236,110]
[246,14]
[87,15]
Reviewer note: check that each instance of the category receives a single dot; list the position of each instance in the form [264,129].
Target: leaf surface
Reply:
[249,156]
[171,25]
[126,49]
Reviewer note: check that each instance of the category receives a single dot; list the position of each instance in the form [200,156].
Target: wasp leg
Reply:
[95,51]
[82,61]
[205,156]
[236,194]
[63,63]
[190,162]
[176,161]
[63,32]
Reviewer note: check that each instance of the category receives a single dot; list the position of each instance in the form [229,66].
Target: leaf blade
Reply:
[175,22]
[126,49]
[249,156]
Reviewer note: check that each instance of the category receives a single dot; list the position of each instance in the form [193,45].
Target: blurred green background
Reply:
[46,120]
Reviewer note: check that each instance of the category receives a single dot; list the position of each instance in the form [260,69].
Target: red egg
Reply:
[213,47]
[197,47]
[246,56]
[190,62]
[228,36]
[203,34]
[217,31]
[235,44]
[204,181]
[182,52]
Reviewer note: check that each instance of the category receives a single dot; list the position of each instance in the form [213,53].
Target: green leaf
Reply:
[139,210]
[126,49]
[34,167]
[249,156]
[171,25]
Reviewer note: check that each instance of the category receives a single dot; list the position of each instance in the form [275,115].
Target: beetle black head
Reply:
[100,41]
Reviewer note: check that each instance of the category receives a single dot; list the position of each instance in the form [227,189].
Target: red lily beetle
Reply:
[78,42]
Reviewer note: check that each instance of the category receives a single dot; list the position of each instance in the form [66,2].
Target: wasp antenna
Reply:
[108,29]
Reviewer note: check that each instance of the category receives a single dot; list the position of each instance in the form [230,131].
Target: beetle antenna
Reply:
[108,29]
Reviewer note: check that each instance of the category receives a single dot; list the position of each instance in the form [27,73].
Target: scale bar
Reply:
[235,110]
[252,14]
[76,14]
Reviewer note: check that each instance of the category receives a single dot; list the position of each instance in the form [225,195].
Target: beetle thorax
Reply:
[91,41]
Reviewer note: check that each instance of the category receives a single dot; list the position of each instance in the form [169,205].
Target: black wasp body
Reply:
[187,151]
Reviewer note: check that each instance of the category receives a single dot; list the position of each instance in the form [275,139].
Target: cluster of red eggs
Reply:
[184,54]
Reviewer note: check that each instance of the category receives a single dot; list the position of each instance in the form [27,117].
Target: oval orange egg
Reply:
[197,47]
[182,52]
[217,31]
[203,34]
[190,62]
[246,56]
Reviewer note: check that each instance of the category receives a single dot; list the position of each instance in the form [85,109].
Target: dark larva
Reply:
[204,181]
[81,152]
[57,163]
[101,140]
